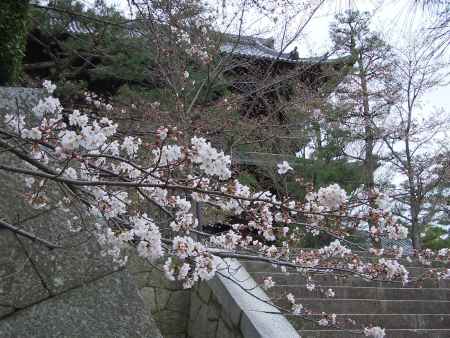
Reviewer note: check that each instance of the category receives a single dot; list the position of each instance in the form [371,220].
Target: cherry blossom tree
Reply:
[140,190]
[126,183]
[415,144]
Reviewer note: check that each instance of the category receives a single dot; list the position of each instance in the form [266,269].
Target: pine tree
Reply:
[368,92]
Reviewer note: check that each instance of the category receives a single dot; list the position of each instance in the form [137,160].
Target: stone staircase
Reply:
[405,312]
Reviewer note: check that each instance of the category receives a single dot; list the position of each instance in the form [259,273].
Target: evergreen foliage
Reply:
[13,28]
[436,238]
[94,45]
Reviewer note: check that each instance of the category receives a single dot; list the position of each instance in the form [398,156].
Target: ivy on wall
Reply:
[13,28]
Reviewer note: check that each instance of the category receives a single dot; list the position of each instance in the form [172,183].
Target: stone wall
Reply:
[167,301]
[224,307]
[74,291]
[207,316]
[185,313]
[69,292]
[13,99]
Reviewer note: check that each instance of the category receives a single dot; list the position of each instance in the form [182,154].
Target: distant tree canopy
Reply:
[93,45]
[100,50]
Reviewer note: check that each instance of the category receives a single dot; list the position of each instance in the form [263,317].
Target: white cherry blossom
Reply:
[375,332]
[283,168]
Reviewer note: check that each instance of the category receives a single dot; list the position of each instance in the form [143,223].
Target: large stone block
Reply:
[70,292]
[204,292]
[107,307]
[170,322]
[20,285]
[79,260]
[61,269]
[223,331]
[201,326]
[148,294]
[179,301]
[13,99]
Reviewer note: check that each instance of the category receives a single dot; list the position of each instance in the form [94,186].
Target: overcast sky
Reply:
[395,19]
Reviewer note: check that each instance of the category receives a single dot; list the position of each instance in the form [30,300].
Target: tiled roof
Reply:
[258,48]
[238,45]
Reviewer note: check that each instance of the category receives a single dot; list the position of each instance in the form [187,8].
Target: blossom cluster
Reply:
[190,263]
[211,161]
[374,331]
[268,283]
[229,240]
[144,231]
[393,269]
[326,202]
[376,216]
[296,308]
[283,168]
[198,50]
[333,197]
[172,174]
[184,219]
[335,249]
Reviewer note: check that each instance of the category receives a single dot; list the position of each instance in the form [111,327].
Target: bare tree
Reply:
[439,31]
[414,143]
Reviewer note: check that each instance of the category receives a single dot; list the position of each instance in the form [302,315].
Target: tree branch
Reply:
[28,235]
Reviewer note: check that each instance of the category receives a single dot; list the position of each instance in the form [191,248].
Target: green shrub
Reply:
[13,28]
[435,238]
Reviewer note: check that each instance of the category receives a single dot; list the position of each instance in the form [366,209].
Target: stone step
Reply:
[413,263]
[368,306]
[359,253]
[427,333]
[253,266]
[345,292]
[366,256]
[388,321]
[282,278]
